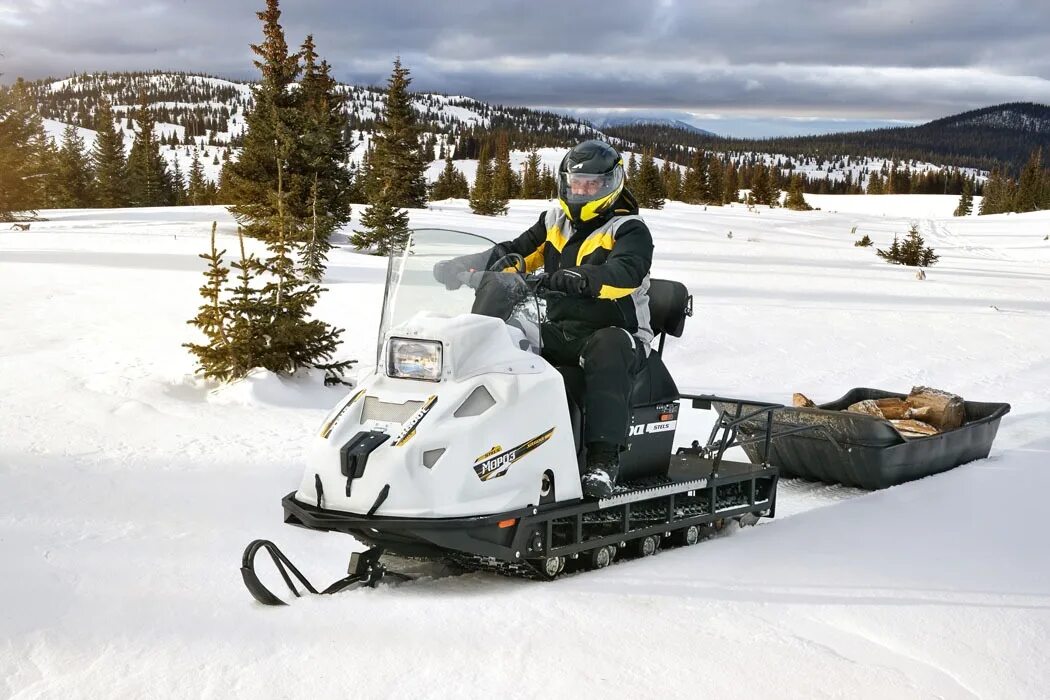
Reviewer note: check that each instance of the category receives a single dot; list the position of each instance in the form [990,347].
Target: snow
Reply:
[128,488]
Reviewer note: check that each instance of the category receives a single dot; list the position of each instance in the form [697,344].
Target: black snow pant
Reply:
[610,357]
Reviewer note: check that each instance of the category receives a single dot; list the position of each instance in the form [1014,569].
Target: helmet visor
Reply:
[580,188]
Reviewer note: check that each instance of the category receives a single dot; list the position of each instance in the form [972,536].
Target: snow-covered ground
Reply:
[128,489]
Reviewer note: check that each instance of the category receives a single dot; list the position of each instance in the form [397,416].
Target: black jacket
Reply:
[613,253]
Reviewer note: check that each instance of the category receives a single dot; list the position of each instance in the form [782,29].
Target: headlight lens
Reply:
[414,359]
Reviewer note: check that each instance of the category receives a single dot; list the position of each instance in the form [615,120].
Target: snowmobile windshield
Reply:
[474,279]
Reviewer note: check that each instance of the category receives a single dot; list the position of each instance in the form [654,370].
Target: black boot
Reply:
[603,465]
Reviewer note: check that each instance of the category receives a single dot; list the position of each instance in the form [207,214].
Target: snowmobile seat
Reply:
[669,304]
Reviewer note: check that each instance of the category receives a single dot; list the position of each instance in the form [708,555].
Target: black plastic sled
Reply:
[866,451]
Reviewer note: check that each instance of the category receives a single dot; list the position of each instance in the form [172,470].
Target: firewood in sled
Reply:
[947,411]
[914,428]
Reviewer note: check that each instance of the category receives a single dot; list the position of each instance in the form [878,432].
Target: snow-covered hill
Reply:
[206,114]
[128,488]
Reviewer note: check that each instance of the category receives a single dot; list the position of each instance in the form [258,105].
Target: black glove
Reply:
[570,281]
[448,272]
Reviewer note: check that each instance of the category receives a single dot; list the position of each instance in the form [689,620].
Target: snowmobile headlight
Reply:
[414,359]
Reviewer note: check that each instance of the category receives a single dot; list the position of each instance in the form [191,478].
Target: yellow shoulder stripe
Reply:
[556,238]
[608,292]
[593,243]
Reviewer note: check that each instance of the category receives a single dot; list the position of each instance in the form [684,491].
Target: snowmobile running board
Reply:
[699,494]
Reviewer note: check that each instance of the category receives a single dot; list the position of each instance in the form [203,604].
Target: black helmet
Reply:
[590,178]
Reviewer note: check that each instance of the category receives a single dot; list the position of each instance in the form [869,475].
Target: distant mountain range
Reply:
[1004,134]
[603,123]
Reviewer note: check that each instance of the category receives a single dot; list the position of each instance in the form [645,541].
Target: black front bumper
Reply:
[417,537]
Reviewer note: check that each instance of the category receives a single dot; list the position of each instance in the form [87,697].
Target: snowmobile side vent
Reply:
[430,457]
[479,401]
[353,457]
[387,412]
[319,489]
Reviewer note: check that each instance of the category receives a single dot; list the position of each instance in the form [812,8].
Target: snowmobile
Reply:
[465,445]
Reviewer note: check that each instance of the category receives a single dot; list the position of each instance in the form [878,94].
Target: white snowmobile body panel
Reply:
[491,462]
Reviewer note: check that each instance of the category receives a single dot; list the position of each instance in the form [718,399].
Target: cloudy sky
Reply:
[738,67]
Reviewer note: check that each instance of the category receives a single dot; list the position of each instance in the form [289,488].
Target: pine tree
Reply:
[647,187]
[196,187]
[273,127]
[795,198]
[22,153]
[397,167]
[481,192]
[1030,187]
[531,188]
[450,183]
[293,339]
[245,314]
[177,184]
[384,227]
[325,153]
[912,251]
[965,207]
[731,189]
[874,184]
[148,179]
[694,185]
[994,200]
[759,184]
[548,183]
[215,359]
[483,199]
[632,170]
[670,181]
[73,177]
[108,161]
[505,184]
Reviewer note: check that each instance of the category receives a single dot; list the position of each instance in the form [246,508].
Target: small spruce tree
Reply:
[384,227]
[214,359]
[796,200]
[912,251]
[965,207]
[450,183]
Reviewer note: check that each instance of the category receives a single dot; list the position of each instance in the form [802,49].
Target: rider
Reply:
[596,251]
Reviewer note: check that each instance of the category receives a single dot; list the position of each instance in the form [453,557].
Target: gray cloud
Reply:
[889,59]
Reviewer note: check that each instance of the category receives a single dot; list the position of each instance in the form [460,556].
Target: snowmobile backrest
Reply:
[669,304]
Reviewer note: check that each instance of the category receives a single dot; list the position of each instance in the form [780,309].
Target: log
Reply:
[914,428]
[947,411]
[922,413]
[867,407]
[802,401]
[894,409]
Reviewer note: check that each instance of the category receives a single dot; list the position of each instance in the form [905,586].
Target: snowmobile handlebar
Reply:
[534,282]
